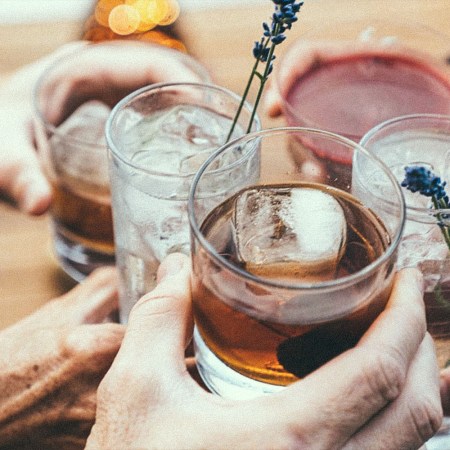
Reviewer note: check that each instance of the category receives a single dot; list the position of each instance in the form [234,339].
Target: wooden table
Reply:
[222,40]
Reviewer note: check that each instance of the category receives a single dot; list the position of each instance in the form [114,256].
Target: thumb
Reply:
[21,178]
[160,324]
[272,100]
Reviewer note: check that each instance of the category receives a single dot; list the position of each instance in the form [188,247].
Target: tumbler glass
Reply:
[421,140]
[349,78]
[290,268]
[158,137]
[72,104]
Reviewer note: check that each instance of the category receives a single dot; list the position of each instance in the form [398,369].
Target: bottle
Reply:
[143,20]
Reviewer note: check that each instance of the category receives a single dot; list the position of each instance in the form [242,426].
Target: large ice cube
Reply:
[299,225]
[79,146]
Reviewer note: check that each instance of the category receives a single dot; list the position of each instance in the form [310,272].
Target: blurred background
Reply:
[26,11]
[30,29]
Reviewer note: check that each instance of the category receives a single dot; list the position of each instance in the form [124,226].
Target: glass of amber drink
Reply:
[72,104]
[72,150]
[291,268]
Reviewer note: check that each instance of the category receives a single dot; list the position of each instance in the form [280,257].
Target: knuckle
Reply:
[90,343]
[426,417]
[385,374]
[298,439]
[153,305]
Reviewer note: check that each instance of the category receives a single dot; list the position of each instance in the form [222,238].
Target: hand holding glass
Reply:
[290,268]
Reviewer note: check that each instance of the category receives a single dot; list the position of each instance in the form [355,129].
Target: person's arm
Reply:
[383,394]
[51,363]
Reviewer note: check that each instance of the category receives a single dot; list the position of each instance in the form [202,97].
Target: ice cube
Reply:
[303,228]
[199,126]
[178,139]
[87,122]
[79,145]
[421,242]
[172,235]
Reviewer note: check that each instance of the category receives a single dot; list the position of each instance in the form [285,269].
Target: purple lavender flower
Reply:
[425,182]
[422,180]
[284,16]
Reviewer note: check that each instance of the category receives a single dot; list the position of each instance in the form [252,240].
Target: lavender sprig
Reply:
[422,180]
[263,51]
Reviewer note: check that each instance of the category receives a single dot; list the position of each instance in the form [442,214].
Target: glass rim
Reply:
[113,148]
[88,46]
[358,25]
[324,285]
[415,212]
[292,111]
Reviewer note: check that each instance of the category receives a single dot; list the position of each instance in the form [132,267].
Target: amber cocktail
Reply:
[289,270]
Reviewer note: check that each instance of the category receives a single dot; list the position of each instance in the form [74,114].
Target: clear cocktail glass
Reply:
[158,137]
[421,140]
[290,268]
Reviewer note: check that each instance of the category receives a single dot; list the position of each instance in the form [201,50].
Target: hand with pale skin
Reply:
[303,55]
[383,394]
[51,364]
[115,68]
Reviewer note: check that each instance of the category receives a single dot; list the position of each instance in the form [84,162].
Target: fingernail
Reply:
[37,197]
[172,265]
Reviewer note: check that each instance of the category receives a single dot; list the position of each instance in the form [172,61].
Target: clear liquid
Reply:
[150,205]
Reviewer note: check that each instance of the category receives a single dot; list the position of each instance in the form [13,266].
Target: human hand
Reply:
[114,69]
[304,55]
[51,363]
[383,394]
[21,179]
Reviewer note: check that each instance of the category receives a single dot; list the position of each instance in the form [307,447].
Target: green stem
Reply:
[244,97]
[263,81]
[444,228]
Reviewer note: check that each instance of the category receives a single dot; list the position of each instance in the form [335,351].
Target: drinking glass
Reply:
[289,268]
[424,140]
[72,107]
[158,137]
[348,78]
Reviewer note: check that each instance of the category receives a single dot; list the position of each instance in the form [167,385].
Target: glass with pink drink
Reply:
[363,74]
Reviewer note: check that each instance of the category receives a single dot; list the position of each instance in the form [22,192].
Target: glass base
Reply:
[441,440]
[224,381]
[76,260]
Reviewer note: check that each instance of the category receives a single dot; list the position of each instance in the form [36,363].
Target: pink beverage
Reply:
[350,92]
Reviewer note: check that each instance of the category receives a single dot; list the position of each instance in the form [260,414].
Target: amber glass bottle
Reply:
[143,20]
